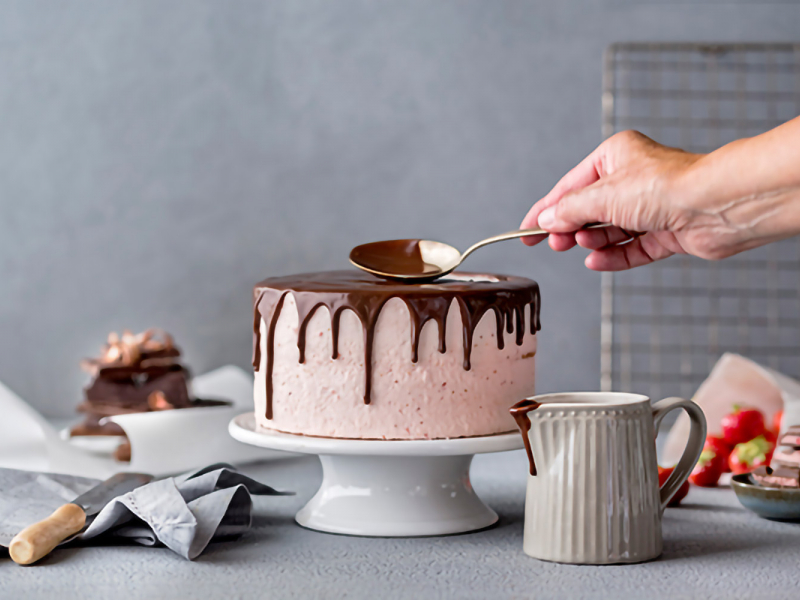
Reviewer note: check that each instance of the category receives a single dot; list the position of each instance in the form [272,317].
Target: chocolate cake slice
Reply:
[134,374]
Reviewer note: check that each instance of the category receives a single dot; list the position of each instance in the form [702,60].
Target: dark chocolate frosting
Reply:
[366,295]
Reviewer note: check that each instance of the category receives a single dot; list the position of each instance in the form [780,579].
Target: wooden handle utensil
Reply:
[38,540]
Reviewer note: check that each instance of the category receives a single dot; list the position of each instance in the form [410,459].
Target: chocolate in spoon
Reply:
[418,261]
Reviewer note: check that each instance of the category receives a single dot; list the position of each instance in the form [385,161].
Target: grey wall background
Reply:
[158,158]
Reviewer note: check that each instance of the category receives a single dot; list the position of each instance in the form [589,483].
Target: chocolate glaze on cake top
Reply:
[365,295]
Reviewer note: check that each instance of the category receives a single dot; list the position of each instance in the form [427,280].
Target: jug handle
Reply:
[697,438]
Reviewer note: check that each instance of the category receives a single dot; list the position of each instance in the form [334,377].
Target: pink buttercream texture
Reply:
[432,398]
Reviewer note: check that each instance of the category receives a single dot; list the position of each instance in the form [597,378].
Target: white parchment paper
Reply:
[162,442]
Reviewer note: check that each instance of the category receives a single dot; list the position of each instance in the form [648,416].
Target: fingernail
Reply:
[547,218]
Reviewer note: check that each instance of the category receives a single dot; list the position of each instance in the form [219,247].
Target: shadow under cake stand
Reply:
[388,488]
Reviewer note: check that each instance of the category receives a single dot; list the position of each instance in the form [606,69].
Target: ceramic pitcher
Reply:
[593,493]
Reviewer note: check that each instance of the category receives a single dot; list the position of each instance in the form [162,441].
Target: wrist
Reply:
[743,193]
[687,191]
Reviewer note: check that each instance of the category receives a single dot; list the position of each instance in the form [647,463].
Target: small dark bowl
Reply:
[782,504]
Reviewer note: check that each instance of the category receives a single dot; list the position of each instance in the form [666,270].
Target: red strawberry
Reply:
[742,425]
[721,448]
[771,437]
[709,468]
[747,456]
[776,422]
[663,475]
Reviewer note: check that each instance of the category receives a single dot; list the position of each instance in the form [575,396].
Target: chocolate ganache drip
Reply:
[520,413]
[366,295]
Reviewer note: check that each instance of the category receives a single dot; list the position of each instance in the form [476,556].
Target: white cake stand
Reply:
[391,488]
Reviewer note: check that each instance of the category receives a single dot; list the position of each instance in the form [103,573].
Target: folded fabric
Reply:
[183,513]
[29,496]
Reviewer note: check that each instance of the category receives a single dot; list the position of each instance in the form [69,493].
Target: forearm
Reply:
[747,191]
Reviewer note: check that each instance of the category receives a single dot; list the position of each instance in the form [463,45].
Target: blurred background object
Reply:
[157,159]
[666,324]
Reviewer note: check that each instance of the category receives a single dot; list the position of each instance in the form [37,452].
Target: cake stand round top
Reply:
[243,428]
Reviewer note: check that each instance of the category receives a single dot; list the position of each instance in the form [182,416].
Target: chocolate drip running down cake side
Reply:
[346,355]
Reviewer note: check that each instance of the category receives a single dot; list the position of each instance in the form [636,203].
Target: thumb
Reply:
[576,209]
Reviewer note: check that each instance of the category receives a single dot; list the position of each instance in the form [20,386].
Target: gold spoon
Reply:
[418,261]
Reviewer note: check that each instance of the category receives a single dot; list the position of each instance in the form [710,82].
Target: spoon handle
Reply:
[510,235]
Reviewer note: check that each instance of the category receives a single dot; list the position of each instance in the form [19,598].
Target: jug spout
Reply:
[520,413]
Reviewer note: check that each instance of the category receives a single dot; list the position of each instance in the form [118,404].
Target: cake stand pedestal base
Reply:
[396,496]
[391,488]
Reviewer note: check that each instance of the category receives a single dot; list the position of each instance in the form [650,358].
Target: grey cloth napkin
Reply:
[183,513]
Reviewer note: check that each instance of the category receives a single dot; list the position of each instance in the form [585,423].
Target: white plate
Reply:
[102,445]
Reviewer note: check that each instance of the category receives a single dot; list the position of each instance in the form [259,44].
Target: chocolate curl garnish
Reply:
[129,349]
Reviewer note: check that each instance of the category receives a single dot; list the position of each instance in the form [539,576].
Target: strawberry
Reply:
[776,422]
[709,467]
[742,425]
[748,455]
[771,437]
[721,448]
[663,475]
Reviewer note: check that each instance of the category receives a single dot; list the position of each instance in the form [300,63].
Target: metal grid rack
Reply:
[665,325]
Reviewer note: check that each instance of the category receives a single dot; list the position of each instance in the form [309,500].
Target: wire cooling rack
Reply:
[665,325]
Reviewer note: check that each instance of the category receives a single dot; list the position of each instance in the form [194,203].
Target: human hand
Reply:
[663,201]
[631,182]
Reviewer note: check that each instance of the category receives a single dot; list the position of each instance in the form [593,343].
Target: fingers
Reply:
[561,242]
[576,209]
[639,251]
[585,173]
[595,239]
[592,239]
[532,240]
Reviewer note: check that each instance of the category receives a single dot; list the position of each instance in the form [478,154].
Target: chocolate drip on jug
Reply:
[520,413]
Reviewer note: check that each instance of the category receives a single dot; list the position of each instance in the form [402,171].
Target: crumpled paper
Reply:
[163,442]
[736,380]
[183,513]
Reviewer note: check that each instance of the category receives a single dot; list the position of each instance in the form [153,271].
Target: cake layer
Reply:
[437,390]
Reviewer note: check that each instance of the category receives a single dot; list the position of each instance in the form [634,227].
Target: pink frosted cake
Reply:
[343,354]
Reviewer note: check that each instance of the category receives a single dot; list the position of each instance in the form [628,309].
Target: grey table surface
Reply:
[713,548]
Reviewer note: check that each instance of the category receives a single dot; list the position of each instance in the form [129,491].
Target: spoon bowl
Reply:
[418,261]
[407,260]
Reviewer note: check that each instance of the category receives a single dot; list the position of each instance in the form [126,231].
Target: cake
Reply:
[134,373]
[343,354]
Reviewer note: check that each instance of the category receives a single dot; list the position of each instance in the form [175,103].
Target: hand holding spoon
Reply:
[419,261]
